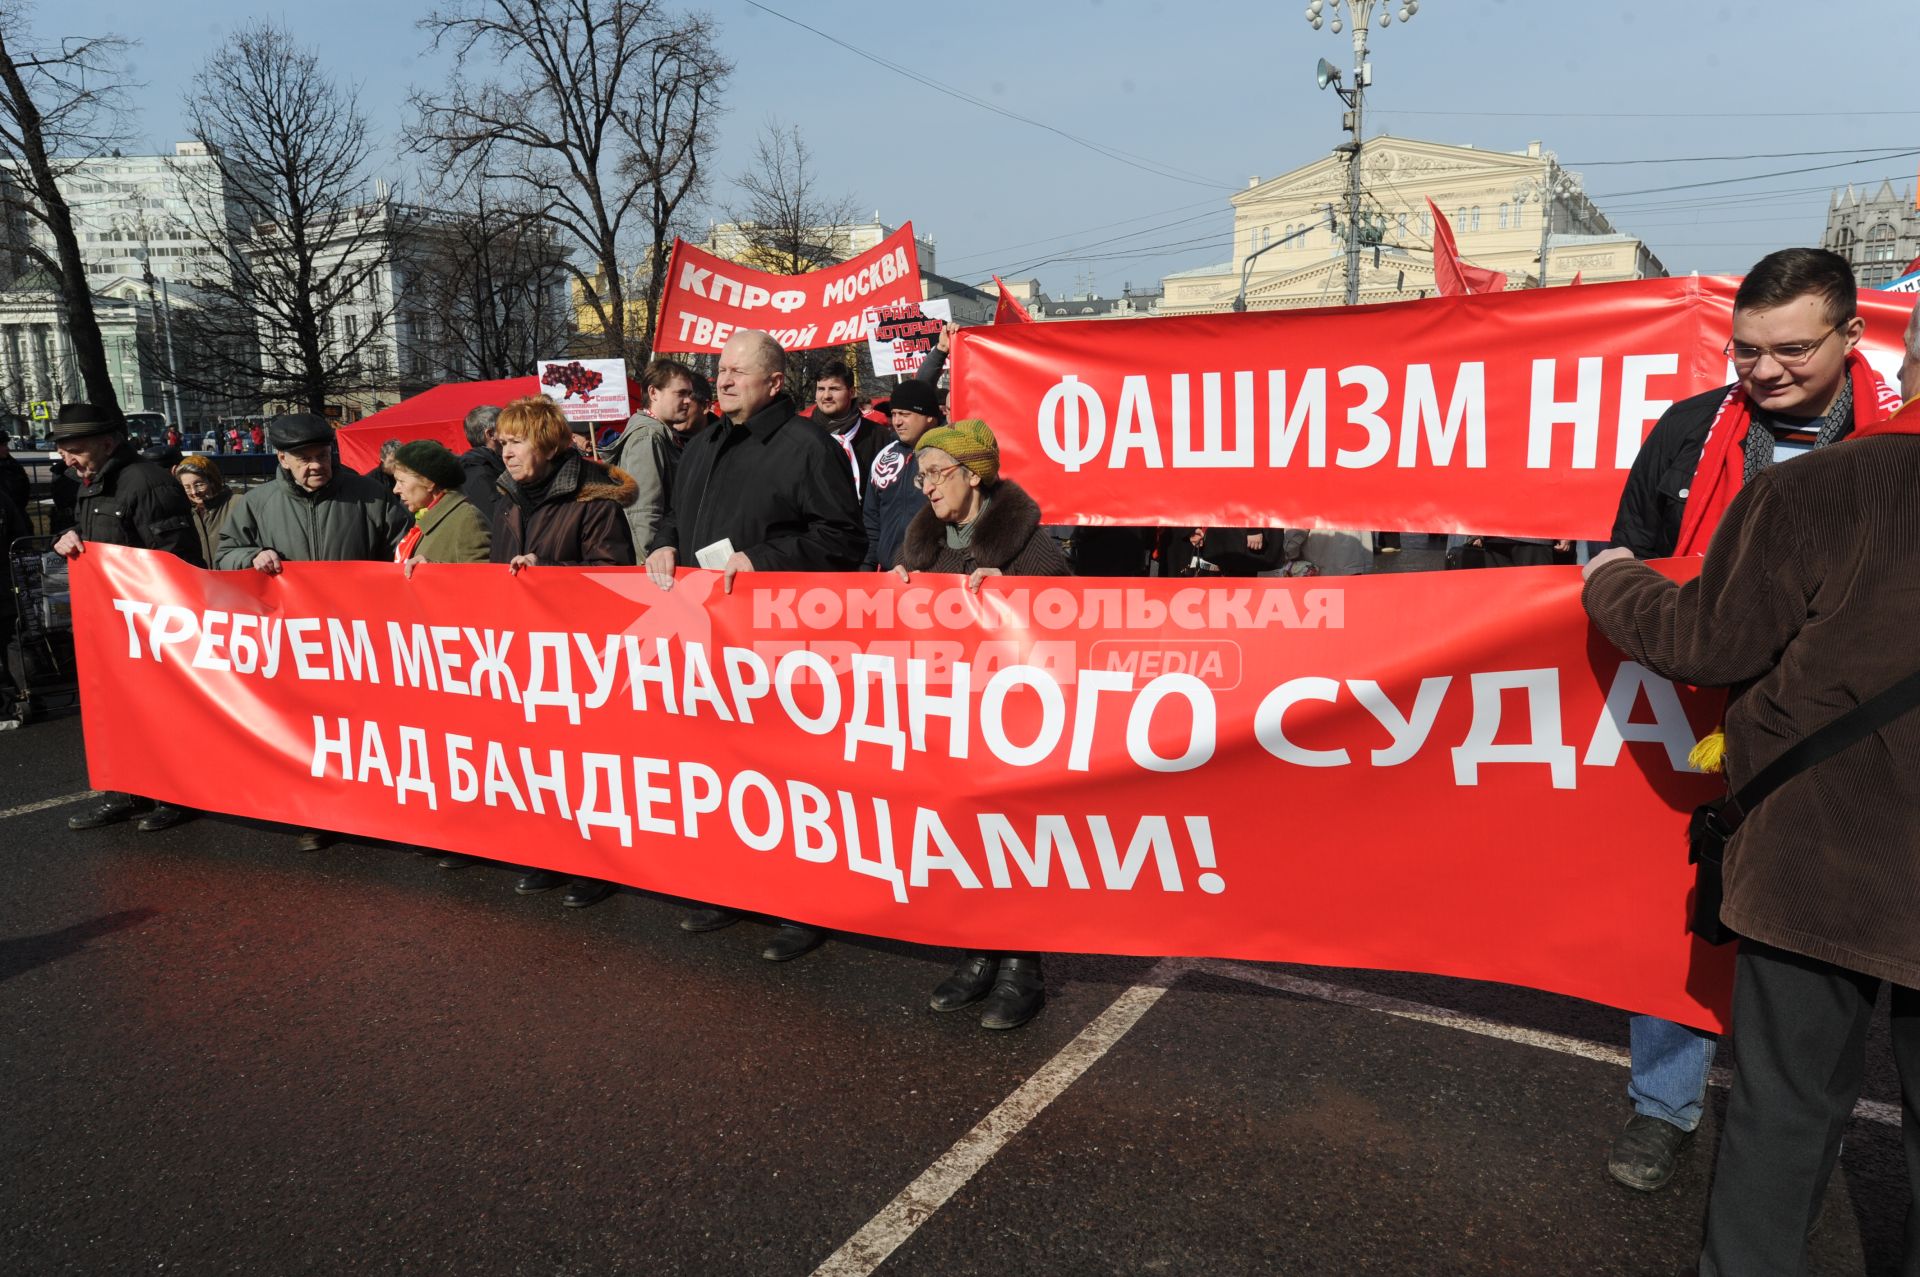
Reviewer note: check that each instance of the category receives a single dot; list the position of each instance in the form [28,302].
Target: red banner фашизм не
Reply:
[1509,414]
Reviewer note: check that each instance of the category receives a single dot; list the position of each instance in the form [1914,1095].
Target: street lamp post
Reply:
[1246,264]
[1359,17]
[1552,186]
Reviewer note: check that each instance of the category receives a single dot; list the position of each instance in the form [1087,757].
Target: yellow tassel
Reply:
[1710,755]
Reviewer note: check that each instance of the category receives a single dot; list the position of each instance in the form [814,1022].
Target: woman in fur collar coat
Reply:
[979,525]
[557,507]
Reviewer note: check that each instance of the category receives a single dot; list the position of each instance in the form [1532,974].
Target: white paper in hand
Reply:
[714,556]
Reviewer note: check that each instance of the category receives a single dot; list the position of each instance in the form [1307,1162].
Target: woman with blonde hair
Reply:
[211,499]
[558,506]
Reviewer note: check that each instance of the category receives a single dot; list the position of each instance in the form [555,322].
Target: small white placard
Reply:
[715,556]
[587,389]
[899,336]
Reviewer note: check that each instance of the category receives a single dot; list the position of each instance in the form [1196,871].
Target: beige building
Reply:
[824,244]
[1878,234]
[1494,200]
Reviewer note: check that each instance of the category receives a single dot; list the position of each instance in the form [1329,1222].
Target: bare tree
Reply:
[302,243]
[673,131]
[57,105]
[600,112]
[787,223]
[492,300]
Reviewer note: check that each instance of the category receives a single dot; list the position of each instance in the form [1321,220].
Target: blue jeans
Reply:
[1669,1075]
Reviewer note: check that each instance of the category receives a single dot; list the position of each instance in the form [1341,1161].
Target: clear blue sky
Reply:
[1219,91]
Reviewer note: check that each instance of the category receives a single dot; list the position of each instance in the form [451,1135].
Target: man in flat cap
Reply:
[313,510]
[122,500]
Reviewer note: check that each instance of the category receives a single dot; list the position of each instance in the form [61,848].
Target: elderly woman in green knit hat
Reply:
[427,478]
[978,524]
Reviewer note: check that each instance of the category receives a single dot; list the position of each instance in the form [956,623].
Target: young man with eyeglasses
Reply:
[1803,384]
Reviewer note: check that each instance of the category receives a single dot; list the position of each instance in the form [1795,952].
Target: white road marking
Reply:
[898,1220]
[1360,999]
[42,805]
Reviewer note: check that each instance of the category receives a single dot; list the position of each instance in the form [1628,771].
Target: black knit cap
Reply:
[432,461]
[917,396]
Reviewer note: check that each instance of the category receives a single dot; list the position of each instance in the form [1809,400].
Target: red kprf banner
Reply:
[709,298]
[1447,772]
[1512,414]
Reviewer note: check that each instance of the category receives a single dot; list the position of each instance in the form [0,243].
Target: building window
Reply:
[1503,217]
[1882,245]
[1476,217]
[1460,218]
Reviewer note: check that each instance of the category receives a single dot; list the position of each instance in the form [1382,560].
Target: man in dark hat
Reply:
[122,500]
[889,499]
[314,509]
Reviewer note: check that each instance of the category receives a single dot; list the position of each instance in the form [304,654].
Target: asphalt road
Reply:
[224,1056]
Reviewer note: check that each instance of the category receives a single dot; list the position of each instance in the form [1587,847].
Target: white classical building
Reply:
[136,231]
[1495,201]
[396,310]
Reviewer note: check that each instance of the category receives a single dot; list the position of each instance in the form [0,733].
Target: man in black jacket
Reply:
[763,491]
[123,500]
[892,498]
[13,476]
[481,460]
[13,526]
[1801,386]
[837,412]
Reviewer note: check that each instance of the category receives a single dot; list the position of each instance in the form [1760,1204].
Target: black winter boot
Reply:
[969,983]
[1017,993]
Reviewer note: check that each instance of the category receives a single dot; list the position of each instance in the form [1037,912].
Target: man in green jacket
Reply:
[314,509]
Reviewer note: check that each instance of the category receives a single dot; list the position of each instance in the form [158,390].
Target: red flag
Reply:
[1913,265]
[1008,309]
[1576,276]
[1452,276]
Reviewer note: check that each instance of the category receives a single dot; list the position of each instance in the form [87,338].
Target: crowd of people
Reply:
[1801,609]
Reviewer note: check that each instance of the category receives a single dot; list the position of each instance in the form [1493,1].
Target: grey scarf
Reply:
[1833,426]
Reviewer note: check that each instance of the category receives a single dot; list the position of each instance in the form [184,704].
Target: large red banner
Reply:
[708,298]
[1511,414]
[1446,772]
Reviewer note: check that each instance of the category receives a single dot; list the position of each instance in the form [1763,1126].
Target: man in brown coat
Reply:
[1805,606]
[1802,385]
